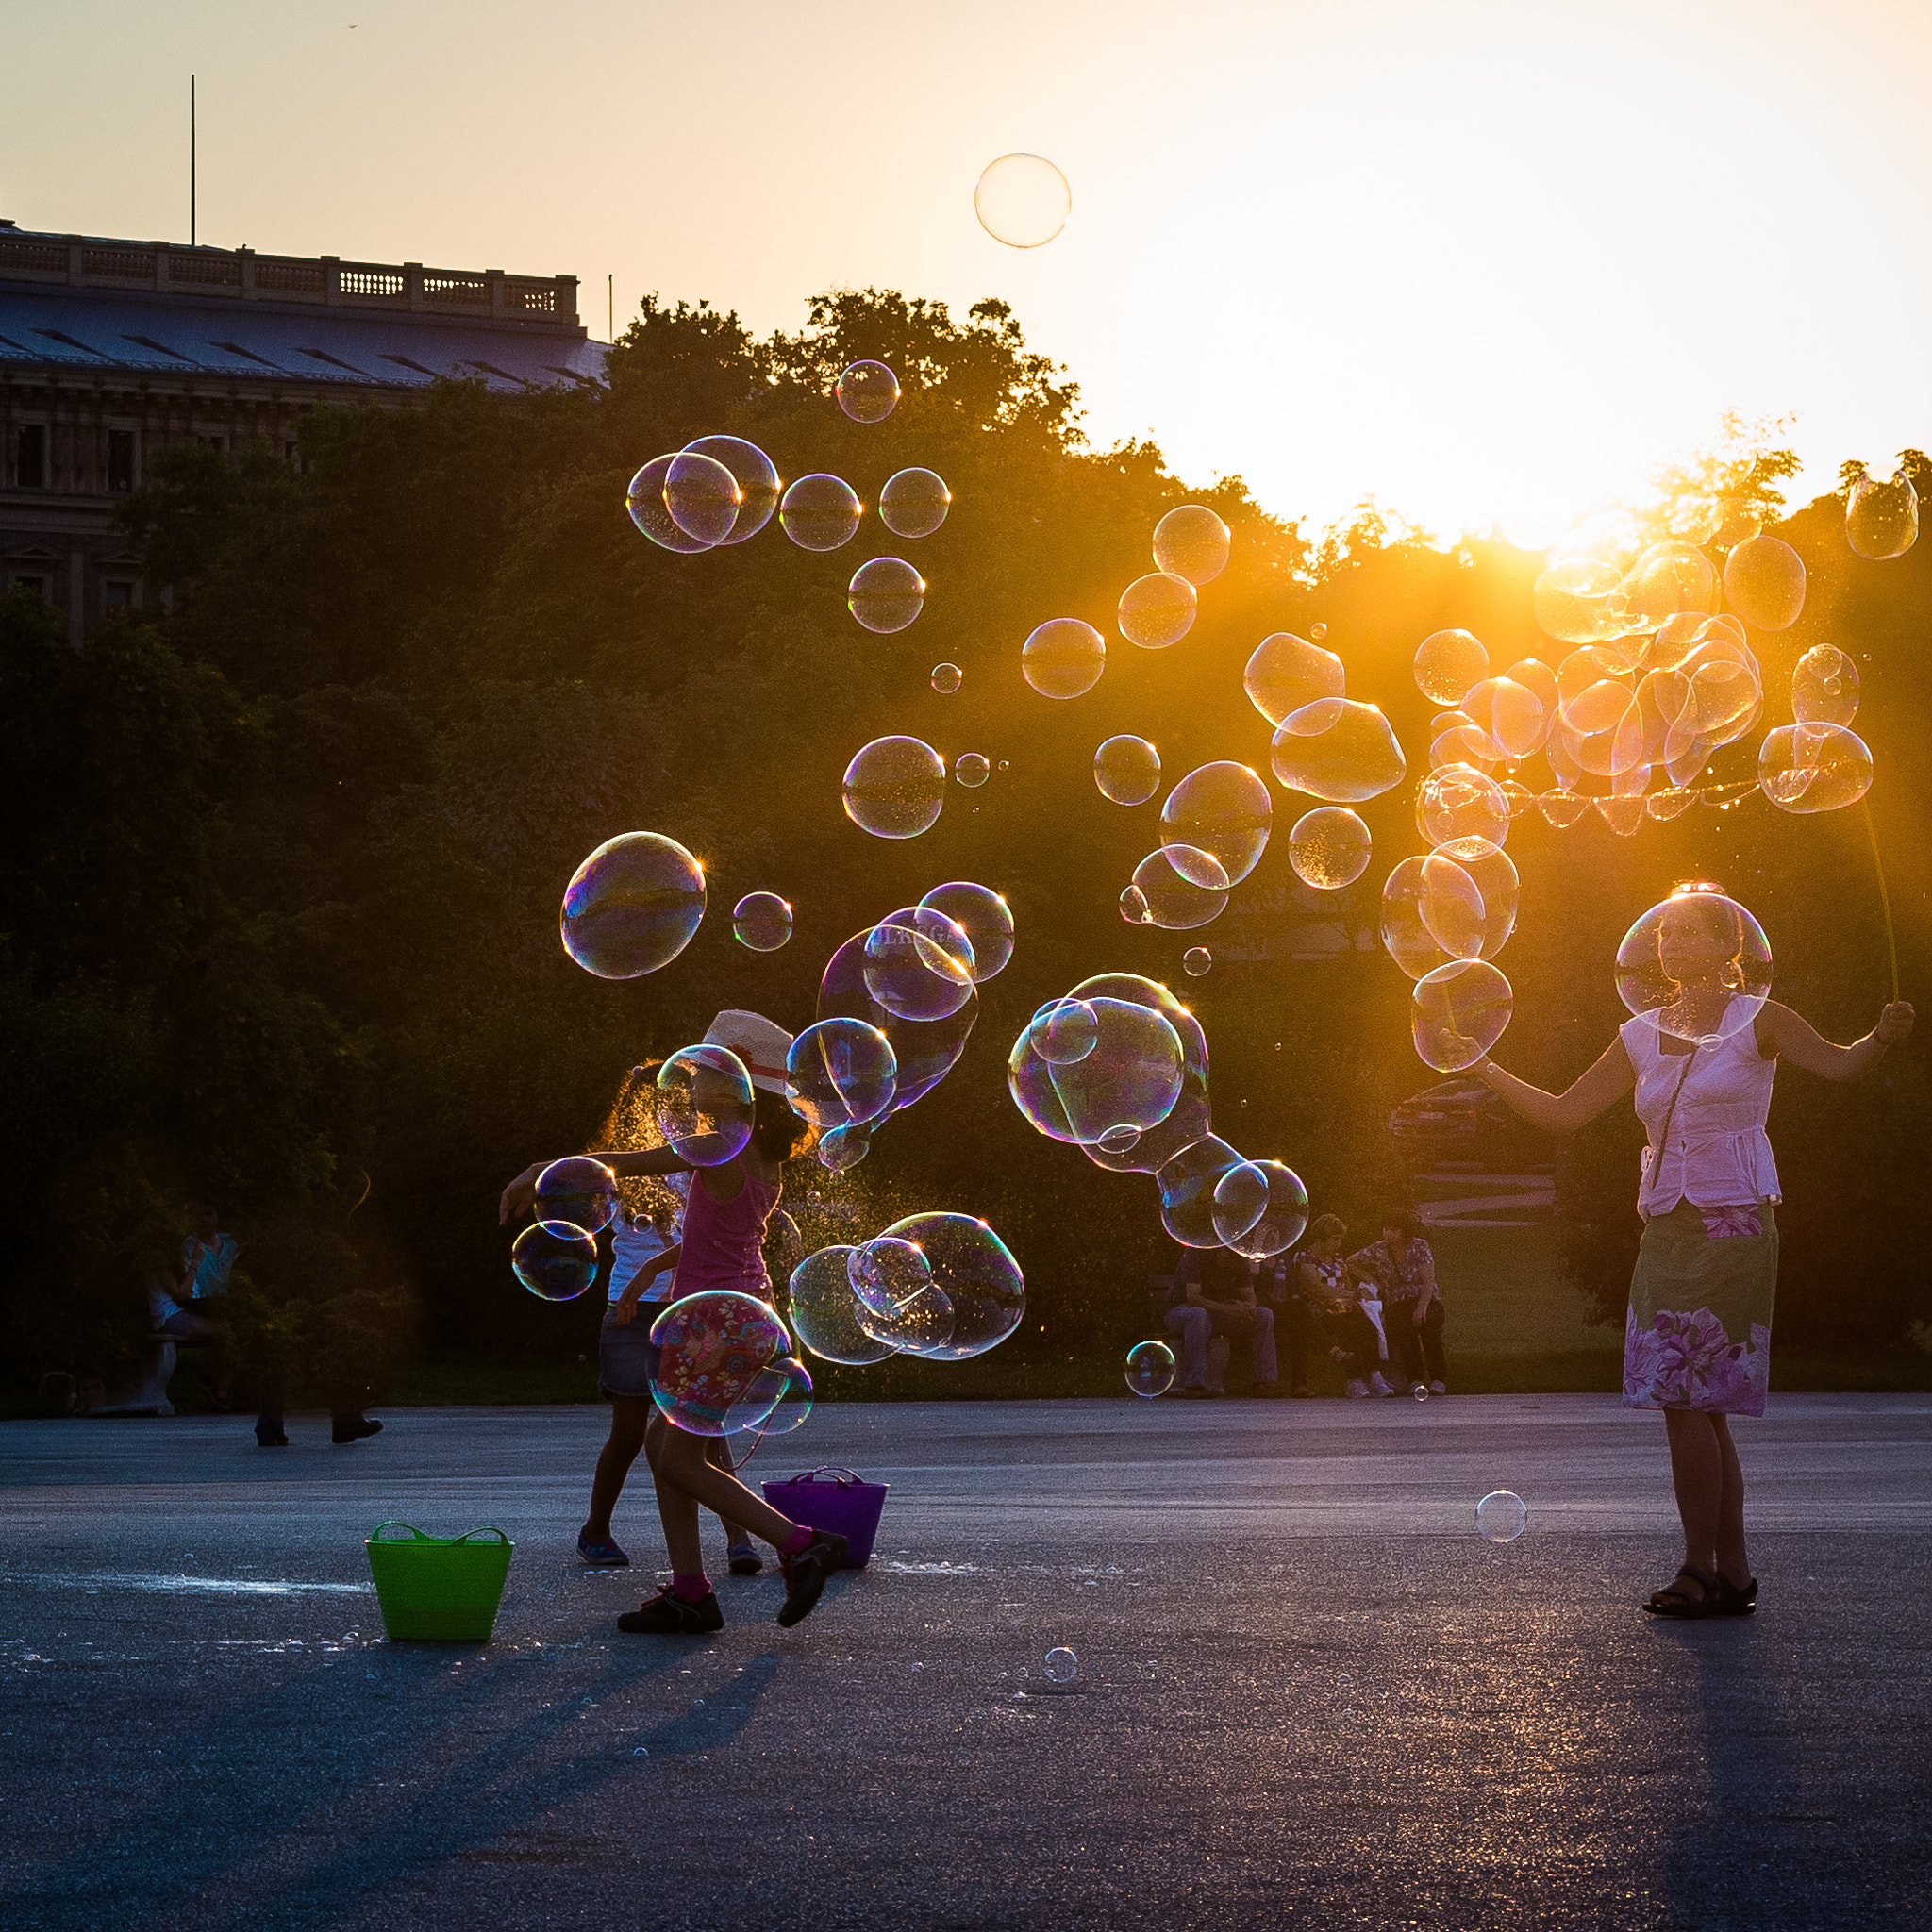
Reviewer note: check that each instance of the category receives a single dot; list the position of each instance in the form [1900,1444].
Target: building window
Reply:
[120,462]
[117,593]
[31,456]
[33,587]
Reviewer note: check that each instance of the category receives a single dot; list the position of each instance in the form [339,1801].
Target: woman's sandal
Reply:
[1674,1600]
[1736,1599]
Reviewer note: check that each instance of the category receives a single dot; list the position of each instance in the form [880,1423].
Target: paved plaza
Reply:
[1308,1693]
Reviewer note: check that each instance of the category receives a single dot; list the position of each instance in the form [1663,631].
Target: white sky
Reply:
[1471,258]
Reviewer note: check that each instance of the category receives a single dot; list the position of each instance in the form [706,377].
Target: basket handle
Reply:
[395,1523]
[492,1530]
[841,1477]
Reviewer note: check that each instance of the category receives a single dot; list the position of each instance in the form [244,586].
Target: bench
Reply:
[143,1389]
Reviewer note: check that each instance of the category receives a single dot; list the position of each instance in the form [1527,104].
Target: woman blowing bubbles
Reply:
[1700,1054]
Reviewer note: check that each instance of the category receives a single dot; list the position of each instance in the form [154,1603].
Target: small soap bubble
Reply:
[886,594]
[632,906]
[762,921]
[914,503]
[820,512]
[972,770]
[1260,1208]
[579,1190]
[898,1301]
[947,679]
[895,788]
[1150,1368]
[1064,657]
[1062,1666]
[1128,770]
[1170,897]
[1824,686]
[867,391]
[1063,1032]
[556,1261]
[1192,542]
[1330,847]
[1196,960]
[1318,631]
[704,1105]
[1156,610]
[643,498]
[702,497]
[1447,663]
[1764,583]
[1224,811]
[1502,1516]
[1022,200]
[1420,1391]
[1882,517]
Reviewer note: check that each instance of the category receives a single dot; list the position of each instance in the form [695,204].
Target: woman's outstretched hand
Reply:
[1894,1024]
[518,1196]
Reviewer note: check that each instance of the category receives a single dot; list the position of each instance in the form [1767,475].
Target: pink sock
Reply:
[798,1542]
[691,1589]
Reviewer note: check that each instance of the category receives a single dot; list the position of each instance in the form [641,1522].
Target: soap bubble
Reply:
[1187,1121]
[1509,714]
[1128,770]
[1807,768]
[1624,815]
[984,917]
[1328,847]
[1063,1031]
[756,477]
[1150,1368]
[1882,518]
[643,497]
[632,906]
[555,1260]
[777,1401]
[1222,810]
[1187,1185]
[701,497]
[1260,1208]
[966,1263]
[1824,686]
[947,679]
[926,1050]
[1134,906]
[824,1310]
[1764,583]
[1196,960]
[1131,1076]
[1459,1012]
[1451,905]
[1173,901]
[1339,750]
[1666,580]
[914,503]
[1561,807]
[1460,802]
[895,788]
[1286,671]
[867,391]
[1318,631]
[1421,899]
[840,1071]
[843,1148]
[1062,1666]
[820,512]
[713,1347]
[762,921]
[1156,610]
[885,594]
[1022,200]
[705,1105]
[1494,873]
[897,1299]
[919,965]
[1447,662]
[1697,966]
[1420,1391]
[1063,659]
[972,770]
[1572,599]
[1536,677]
[579,1190]
[1192,542]
[1502,1516]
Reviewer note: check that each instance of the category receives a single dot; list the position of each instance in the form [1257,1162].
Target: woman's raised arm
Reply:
[1587,1097]
[523,1191]
[1793,1037]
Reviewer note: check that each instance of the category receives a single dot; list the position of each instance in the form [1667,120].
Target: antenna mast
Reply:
[190,160]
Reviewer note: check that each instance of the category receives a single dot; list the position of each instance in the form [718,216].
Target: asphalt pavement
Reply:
[1309,1692]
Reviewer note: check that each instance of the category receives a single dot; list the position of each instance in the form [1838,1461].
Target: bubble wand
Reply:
[1884,897]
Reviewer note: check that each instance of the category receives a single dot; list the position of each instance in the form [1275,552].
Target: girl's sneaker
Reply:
[806,1574]
[745,1561]
[600,1553]
[665,1615]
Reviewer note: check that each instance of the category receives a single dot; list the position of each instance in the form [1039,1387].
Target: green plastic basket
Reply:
[444,1589]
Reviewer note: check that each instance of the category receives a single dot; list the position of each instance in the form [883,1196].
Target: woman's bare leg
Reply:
[685,1480]
[630,1417]
[1733,1564]
[1698,1472]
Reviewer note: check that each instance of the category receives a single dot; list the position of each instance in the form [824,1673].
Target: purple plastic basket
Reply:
[839,1501]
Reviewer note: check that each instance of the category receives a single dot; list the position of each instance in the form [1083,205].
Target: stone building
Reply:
[112,350]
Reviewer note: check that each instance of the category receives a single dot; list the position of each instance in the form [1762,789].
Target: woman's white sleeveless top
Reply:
[1704,1114]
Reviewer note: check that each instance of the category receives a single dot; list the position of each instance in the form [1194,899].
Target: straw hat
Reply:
[758,1041]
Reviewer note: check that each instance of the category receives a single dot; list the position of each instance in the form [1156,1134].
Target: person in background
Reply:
[1214,1295]
[171,1310]
[207,1259]
[1294,1328]
[1338,1315]
[1402,1267]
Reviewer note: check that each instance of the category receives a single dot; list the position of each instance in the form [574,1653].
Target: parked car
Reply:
[1457,1121]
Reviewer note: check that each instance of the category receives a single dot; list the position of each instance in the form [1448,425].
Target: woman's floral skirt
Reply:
[1698,1334]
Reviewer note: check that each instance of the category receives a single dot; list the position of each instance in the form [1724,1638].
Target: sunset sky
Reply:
[1474,259]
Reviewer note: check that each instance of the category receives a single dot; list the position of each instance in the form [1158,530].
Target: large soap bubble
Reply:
[914,503]
[1330,847]
[1287,673]
[579,1190]
[1807,768]
[1156,610]
[824,1310]
[973,1268]
[840,1071]
[1696,966]
[555,1260]
[1460,802]
[1459,1011]
[984,917]
[1224,811]
[1447,662]
[1432,913]
[1666,581]
[1169,897]
[1064,657]
[1128,770]
[885,594]
[897,1299]
[1338,749]
[1022,200]
[919,965]
[1824,686]
[1187,1185]
[755,477]
[1187,1122]
[632,906]
[1502,1516]
[867,391]
[702,497]
[895,788]
[820,512]
[1764,583]
[1130,1076]
[1572,599]
[643,498]
[762,921]
[1494,873]
[705,1105]
[1882,517]
[1192,542]
[713,1347]
[1260,1209]
[926,1050]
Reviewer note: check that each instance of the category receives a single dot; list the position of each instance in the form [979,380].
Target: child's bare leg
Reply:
[685,1473]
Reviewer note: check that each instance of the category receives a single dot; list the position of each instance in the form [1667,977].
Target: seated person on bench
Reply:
[1213,1294]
